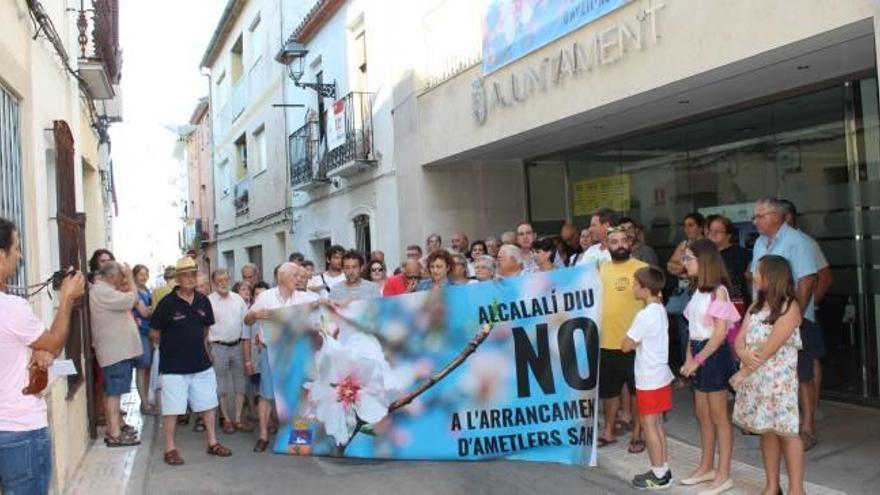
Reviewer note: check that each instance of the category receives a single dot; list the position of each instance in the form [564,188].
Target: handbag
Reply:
[678,300]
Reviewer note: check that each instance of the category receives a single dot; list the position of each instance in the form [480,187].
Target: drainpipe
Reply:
[211,114]
[287,191]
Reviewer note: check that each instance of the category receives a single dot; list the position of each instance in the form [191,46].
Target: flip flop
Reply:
[636,447]
[602,442]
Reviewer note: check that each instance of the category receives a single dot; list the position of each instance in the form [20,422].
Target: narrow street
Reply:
[247,472]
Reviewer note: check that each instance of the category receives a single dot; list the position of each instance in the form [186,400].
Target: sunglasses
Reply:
[377,269]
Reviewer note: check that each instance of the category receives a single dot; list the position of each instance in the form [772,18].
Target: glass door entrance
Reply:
[820,150]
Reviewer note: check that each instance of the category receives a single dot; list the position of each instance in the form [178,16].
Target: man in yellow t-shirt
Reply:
[158,294]
[619,307]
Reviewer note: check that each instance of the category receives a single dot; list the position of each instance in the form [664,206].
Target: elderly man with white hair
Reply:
[116,341]
[510,261]
[290,276]
[484,268]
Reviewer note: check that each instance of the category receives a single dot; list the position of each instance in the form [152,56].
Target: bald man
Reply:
[405,281]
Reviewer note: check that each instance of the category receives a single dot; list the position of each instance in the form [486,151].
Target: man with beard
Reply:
[354,286]
[619,307]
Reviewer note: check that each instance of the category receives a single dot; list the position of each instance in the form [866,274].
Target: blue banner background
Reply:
[515,28]
[420,333]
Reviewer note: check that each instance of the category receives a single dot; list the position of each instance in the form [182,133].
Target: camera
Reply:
[59,276]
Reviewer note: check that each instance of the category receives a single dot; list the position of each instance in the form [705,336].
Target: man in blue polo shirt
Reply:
[181,322]
[779,238]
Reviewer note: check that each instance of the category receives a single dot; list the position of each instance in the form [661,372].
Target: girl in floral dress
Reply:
[767,382]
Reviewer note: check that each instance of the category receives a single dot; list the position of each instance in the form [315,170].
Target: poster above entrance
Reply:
[611,191]
[515,28]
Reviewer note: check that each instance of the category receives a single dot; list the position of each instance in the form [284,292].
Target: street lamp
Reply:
[293,55]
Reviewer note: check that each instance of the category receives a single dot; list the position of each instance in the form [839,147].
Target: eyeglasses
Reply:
[759,216]
[377,269]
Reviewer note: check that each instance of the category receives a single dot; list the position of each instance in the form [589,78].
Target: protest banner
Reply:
[498,369]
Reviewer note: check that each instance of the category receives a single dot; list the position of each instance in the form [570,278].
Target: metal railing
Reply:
[453,40]
[353,125]
[242,196]
[303,149]
[99,36]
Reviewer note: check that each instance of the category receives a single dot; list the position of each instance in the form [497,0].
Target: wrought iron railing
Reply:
[453,40]
[303,149]
[103,44]
[349,131]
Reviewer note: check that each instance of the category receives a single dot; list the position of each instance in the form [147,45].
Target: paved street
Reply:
[247,472]
[844,462]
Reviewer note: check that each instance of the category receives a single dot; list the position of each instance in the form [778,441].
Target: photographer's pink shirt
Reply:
[19,328]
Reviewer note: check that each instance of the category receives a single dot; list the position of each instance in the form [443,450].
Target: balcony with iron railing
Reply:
[305,168]
[242,197]
[350,135]
[100,57]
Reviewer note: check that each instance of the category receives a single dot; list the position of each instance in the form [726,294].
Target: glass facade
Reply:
[820,149]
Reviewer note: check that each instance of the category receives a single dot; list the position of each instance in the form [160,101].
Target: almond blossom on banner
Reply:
[351,385]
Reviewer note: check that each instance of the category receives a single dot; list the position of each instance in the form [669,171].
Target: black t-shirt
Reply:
[737,260]
[182,327]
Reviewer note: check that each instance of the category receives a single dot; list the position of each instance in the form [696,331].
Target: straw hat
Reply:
[186,265]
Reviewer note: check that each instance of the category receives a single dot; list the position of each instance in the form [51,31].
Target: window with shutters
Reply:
[11,193]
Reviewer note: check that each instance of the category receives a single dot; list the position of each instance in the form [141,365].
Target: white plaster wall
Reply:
[328,211]
[269,192]
[31,70]
[694,37]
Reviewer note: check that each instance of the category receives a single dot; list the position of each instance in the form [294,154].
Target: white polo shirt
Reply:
[229,313]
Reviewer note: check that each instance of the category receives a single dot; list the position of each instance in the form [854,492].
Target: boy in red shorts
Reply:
[648,336]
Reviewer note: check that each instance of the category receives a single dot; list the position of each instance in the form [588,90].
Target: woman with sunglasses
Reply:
[377,273]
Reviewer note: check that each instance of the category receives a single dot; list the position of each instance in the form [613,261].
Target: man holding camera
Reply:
[25,446]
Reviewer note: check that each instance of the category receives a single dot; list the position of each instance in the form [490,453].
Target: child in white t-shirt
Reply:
[648,336]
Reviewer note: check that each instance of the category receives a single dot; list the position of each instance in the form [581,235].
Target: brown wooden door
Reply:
[72,252]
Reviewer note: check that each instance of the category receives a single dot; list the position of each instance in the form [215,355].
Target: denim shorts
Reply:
[146,359]
[117,377]
[25,461]
[715,372]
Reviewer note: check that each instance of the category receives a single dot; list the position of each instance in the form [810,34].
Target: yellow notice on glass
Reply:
[611,191]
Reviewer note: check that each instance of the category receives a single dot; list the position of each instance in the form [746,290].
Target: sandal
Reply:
[200,425]
[228,426]
[602,442]
[219,450]
[636,447]
[172,458]
[122,440]
[261,445]
[243,427]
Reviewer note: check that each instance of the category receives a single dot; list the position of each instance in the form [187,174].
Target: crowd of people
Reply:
[742,324]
